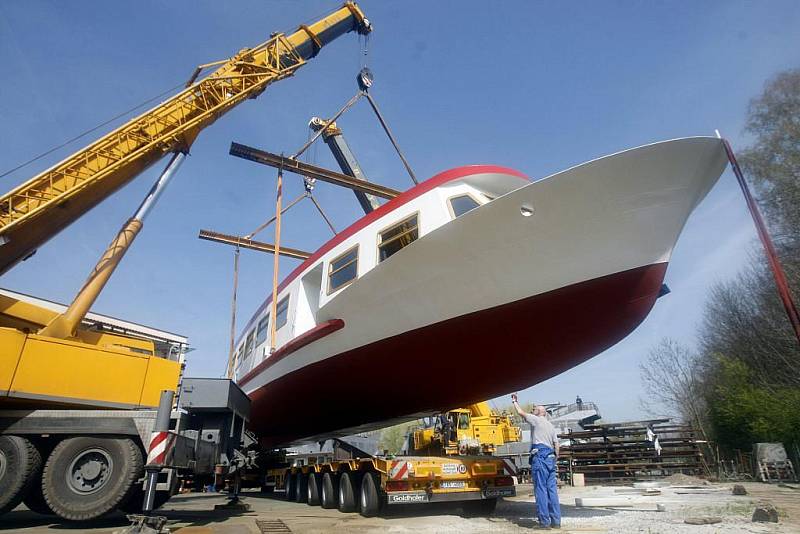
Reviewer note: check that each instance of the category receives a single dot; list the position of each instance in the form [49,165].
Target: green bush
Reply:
[743,412]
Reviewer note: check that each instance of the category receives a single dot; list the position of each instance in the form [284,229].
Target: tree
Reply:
[671,378]
[744,412]
[393,438]
[743,383]
[773,161]
[744,320]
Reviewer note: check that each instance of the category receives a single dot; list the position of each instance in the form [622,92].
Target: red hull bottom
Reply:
[456,362]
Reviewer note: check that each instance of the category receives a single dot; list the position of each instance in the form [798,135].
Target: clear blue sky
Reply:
[534,86]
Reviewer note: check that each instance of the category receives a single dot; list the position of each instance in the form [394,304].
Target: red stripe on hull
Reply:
[316,333]
[456,362]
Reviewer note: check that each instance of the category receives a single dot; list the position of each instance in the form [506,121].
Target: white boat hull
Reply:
[584,248]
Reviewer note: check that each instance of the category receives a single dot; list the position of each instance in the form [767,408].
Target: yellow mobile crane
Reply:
[50,361]
[476,429]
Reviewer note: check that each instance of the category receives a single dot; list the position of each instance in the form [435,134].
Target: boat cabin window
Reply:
[261,335]
[461,204]
[398,236]
[248,346]
[282,313]
[343,270]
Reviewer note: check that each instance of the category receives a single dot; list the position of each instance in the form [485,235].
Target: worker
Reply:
[544,452]
[579,402]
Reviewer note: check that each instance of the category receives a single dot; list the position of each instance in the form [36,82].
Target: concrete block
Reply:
[765,513]
[738,489]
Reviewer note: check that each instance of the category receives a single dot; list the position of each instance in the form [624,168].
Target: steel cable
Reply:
[87,132]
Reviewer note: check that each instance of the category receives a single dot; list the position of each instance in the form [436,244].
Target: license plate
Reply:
[453,484]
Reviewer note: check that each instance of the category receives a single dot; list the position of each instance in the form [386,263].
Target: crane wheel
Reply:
[370,501]
[301,483]
[87,477]
[291,487]
[314,490]
[330,490]
[348,489]
[20,467]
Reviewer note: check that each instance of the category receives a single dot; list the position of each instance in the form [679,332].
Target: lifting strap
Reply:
[232,359]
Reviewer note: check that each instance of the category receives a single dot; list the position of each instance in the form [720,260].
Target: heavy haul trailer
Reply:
[448,460]
[366,485]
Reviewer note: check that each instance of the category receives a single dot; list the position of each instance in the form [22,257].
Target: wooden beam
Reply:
[311,171]
[253,245]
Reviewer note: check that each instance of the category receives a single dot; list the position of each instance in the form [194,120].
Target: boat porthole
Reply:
[526,211]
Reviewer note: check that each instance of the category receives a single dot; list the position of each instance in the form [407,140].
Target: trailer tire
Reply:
[479,508]
[291,487]
[314,489]
[87,477]
[20,466]
[35,500]
[330,490]
[348,489]
[301,494]
[370,502]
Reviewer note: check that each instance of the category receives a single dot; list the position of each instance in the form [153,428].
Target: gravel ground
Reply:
[194,513]
[706,500]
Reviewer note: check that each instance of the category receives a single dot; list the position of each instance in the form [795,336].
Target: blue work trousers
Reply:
[545,476]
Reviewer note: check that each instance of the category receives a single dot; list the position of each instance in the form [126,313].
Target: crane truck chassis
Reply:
[83,464]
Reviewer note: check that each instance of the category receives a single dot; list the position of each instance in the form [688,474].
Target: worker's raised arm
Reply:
[517,407]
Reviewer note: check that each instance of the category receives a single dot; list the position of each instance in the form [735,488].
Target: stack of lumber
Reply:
[619,452]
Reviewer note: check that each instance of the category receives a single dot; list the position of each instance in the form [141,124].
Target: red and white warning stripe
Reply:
[161,444]
[510,467]
[399,470]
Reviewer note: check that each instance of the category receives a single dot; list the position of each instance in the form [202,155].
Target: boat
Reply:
[472,284]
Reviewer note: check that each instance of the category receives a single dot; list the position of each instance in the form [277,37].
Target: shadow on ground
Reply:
[523,513]
[24,518]
[197,509]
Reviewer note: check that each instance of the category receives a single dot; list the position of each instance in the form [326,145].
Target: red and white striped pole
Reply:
[160,443]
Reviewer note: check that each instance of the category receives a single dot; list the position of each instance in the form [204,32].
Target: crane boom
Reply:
[87,177]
